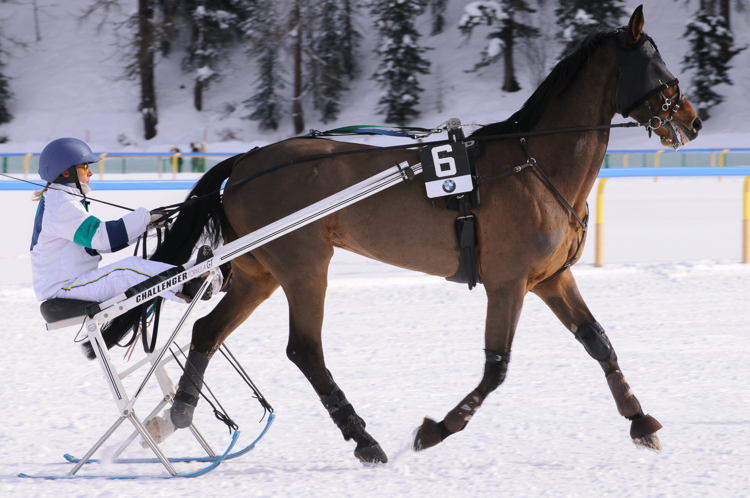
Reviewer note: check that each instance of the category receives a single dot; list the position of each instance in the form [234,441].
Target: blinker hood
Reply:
[643,73]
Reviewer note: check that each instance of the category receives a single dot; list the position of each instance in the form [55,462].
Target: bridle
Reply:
[654,121]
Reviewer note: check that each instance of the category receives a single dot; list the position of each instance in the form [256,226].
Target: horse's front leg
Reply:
[503,310]
[562,296]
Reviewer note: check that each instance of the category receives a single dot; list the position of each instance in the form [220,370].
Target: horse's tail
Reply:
[199,220]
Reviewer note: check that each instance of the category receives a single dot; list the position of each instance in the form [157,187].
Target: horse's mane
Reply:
[556,81]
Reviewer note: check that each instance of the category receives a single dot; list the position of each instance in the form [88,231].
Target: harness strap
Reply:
[550,185]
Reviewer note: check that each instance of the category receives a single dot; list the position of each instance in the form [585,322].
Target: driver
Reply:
[67,240]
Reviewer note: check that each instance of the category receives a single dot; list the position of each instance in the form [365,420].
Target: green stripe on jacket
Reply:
[86,231]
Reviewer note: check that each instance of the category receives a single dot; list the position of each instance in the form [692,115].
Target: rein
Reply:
[50,187]
[172,209]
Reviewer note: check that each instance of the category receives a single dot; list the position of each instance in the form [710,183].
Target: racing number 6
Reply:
[440,161]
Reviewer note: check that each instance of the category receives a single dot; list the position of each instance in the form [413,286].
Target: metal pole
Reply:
[96,446]
[746,222]
[150,441]
[599,247]
[722,159]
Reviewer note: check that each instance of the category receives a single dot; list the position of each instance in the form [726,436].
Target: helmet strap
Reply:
[73,178]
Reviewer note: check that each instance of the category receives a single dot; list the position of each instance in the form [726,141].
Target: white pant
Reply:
[108,281]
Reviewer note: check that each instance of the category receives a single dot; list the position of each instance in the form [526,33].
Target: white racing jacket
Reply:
[67,240]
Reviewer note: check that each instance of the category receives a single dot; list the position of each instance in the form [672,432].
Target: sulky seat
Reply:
[55,310]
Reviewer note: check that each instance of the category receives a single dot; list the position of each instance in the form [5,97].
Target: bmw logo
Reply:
[449,186]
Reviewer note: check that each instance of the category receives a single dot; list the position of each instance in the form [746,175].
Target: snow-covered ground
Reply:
[678,320]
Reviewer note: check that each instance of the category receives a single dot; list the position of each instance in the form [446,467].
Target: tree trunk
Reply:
[146,68]
[297,116]
[198,95]
[724,9]
[349,62]
[199,61]
[726,50]
[509,82]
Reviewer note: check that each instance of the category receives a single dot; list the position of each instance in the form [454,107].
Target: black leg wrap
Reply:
[594,340]
[352,426]
[338,406]
[188,390]
[495,369]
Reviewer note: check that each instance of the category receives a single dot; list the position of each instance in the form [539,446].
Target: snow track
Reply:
[551,429]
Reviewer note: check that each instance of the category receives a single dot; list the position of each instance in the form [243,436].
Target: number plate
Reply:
[446,169]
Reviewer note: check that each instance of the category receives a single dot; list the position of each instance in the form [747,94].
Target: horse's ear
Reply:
[635,26]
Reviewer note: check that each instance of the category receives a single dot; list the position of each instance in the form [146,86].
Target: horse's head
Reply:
[647,91]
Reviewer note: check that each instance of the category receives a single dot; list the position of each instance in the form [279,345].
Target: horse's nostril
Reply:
[697,124]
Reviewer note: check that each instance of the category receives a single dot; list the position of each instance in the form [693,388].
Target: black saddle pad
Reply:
[55,310]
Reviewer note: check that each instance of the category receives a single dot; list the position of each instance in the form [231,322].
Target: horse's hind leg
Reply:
[251,285]
[562,296]
[302,268]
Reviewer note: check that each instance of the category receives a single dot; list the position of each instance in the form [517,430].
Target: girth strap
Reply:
[468,262]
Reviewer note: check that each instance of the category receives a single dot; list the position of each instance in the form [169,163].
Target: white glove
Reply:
[158,219]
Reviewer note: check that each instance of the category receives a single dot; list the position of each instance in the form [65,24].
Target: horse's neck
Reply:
[588,100]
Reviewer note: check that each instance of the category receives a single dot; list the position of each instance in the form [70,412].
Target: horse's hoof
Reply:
[643,432]
[644,426]
[370,453]
[651,442]
[182,409]
[428,435]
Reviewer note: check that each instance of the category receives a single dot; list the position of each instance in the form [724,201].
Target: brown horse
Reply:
[525,233]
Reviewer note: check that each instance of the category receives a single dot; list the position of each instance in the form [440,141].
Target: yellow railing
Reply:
[656,161]
[746,221]
[101,165]
[599,248]
[175,164]
[26,165]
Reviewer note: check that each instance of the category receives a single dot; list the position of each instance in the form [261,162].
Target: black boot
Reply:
[188,390]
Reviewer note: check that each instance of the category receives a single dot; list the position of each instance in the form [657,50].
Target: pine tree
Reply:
[326,60]
[262,31]
[5,96]
[349,37]
[577,19]
[711,47]
[213,24]
[400,58]
[266,103]
[437,11]
[501,16]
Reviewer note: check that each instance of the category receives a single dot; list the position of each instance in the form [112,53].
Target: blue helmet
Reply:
[61,154]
